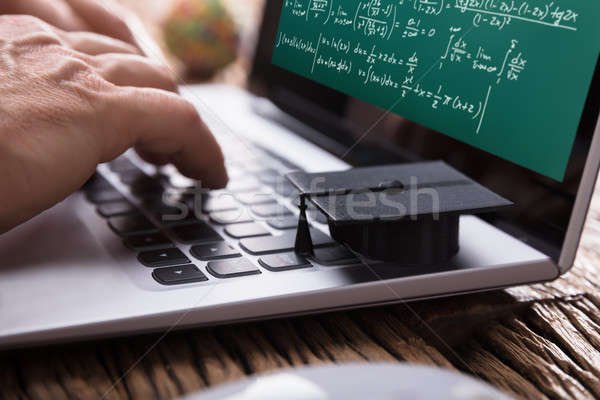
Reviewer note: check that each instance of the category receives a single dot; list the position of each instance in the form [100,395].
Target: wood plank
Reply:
[487,366]
[522,353]
[553,323]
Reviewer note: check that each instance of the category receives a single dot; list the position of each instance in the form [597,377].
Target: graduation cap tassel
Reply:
[304,245]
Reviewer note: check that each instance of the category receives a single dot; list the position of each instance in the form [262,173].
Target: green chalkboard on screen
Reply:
[510,77]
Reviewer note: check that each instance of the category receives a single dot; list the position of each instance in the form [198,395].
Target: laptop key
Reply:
[117,208]
[130,176]
[284,262]
[179,275]
[269,176]
[222,202]
[171,216]
[122,164]
[246,230]
[335,255]
[214,251]
[270,210]
[104,196]
[170,209]
[285,189]
[163,258]
[172,220]
[283,223]
[242,185]
[196,233]
[282,243]
[97,182]
[231,217]
[232,268]
[146,187]
[131,225]
[254,198]
[153,241]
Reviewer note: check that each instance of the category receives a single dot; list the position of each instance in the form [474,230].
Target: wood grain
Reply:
[533,342]
[529,347]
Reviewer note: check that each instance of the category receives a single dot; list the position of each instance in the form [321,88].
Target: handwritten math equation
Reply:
[383,18]
[380,44]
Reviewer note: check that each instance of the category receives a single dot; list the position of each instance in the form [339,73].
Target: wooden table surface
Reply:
[537,342]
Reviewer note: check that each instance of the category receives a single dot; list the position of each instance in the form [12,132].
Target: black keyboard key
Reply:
[220,202]
[282,243]
[214,251]
[232,268]
[238,216]
[179,275]
[284,262]
[242,185]
[131,176]
[147,187]
[97,182]
[270,210]
[116,209]
[171,220]
[173,216]
[122,164]
[153,241]
[285,189]
[269,176]
[167,198]
[163,258]
[131,225]
[286,163]
[283,223]
[104,196]
[254,198]
[249,229]
[170,209]
[335,255]
[196,233]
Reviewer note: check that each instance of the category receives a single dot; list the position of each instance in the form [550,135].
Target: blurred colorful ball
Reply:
[203,35]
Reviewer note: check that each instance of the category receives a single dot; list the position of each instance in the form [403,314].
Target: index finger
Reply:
[102,17]
[163,126]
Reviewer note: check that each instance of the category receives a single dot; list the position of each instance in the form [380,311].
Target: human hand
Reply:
[69,104]
[100,16]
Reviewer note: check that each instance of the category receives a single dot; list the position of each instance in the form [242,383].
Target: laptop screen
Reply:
[497,89]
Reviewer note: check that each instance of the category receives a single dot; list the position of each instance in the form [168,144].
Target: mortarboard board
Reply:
[406,213]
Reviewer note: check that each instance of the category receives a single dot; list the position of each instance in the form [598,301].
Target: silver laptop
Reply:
[141,249]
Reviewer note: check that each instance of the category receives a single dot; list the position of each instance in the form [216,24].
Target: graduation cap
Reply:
[406,213]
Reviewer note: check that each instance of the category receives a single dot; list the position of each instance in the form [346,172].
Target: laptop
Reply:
[333,86]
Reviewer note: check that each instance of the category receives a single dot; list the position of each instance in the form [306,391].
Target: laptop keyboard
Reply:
[166,216]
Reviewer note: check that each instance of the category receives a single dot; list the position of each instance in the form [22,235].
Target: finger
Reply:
[103,19]
[56,13]
[156,159]
[134,70]
[94,44]
[163,126]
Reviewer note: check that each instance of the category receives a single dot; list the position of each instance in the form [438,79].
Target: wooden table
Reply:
[537,342]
